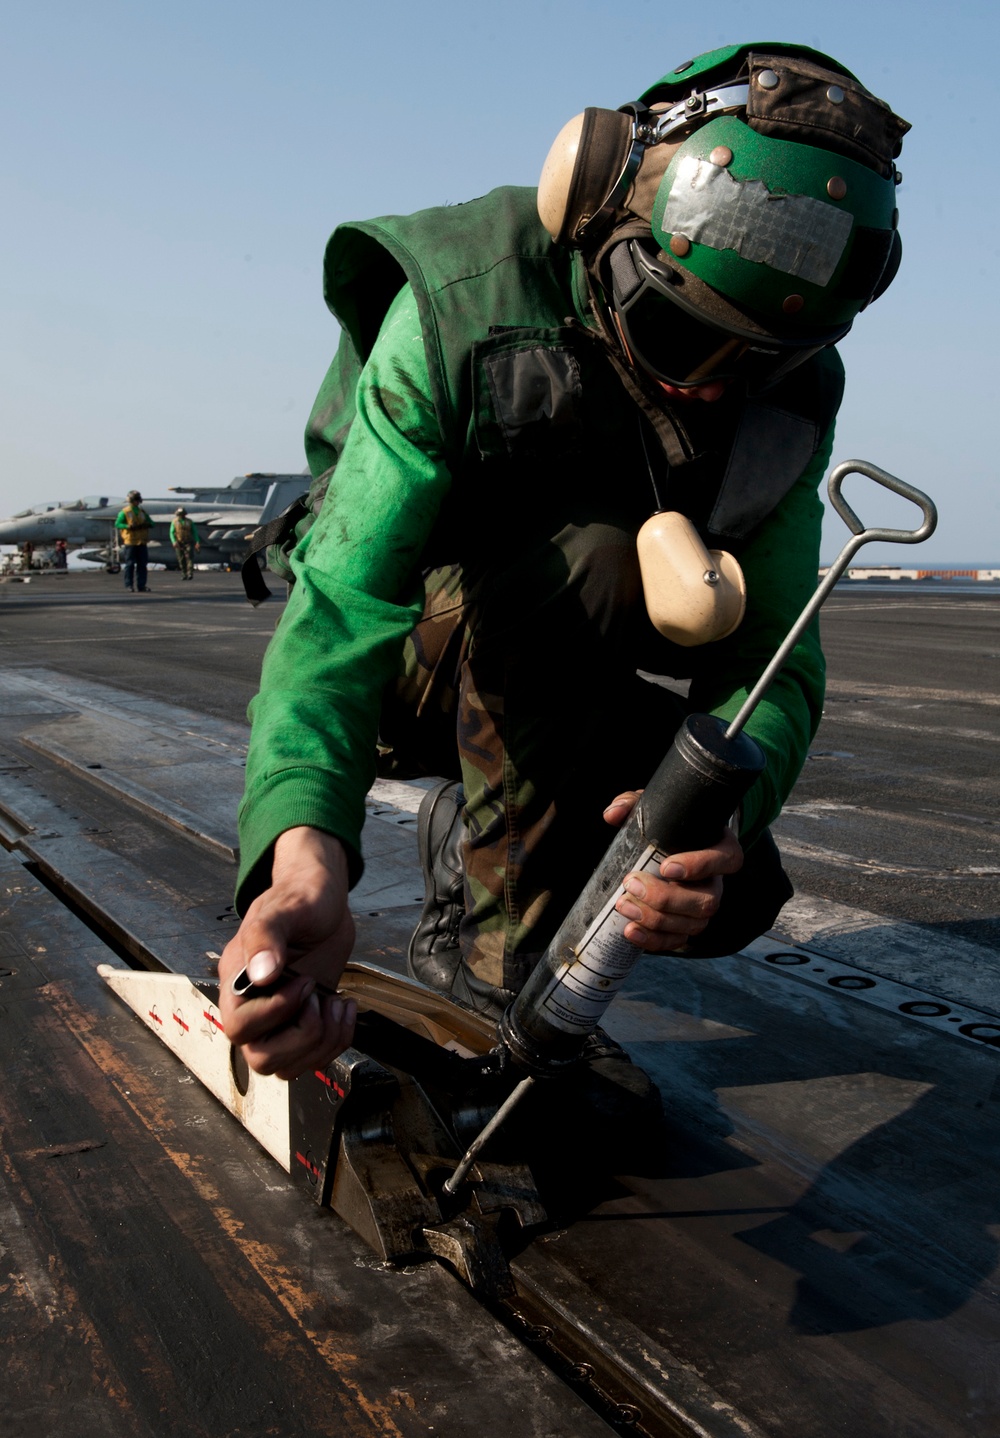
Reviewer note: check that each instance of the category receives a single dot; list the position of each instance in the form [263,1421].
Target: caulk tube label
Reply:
[582,989]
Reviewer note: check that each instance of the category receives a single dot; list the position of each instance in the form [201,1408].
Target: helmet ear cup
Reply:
[580,171]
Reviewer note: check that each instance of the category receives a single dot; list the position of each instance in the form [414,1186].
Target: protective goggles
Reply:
[679,347]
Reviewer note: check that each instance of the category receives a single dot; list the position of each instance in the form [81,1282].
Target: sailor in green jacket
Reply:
[185,539]
[521,383]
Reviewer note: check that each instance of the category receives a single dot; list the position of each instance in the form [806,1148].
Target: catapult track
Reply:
[627,1380]
[814,1250]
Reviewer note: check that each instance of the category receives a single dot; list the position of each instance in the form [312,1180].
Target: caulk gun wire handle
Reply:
[859,536]
[888,481]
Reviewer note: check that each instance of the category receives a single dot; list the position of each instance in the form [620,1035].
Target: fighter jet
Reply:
[224,516]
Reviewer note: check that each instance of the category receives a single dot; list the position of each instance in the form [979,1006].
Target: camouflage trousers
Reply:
[521,680]
[185,559]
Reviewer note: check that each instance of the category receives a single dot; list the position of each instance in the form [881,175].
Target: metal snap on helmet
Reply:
[770,192]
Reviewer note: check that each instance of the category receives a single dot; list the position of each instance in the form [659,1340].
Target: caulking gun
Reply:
[685,806]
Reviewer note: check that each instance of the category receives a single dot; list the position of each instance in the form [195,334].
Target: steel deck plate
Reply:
[811,1240]
[161,1276]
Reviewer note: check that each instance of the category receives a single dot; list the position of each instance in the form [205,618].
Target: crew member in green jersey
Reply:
[185,539]
[522,382]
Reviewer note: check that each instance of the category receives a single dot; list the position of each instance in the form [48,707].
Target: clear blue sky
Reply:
[171,174]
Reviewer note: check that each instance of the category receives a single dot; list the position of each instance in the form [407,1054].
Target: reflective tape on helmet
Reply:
[796,234]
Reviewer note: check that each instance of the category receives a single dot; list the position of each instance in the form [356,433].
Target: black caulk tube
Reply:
[686,805]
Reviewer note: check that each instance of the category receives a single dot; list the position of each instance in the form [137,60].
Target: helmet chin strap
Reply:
[647,395]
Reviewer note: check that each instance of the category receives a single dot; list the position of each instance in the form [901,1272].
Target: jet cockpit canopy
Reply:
[73,506]
[98,501]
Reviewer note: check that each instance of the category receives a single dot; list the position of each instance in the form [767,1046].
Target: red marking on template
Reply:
[184,1026]
[330,1084]
[155,1017]
[306,1164]
[213,1020]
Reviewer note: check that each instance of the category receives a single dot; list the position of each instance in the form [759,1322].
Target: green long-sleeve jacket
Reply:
[401,454]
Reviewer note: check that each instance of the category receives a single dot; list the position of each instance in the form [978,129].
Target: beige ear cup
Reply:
[693,595]
[580,170]
[557,176]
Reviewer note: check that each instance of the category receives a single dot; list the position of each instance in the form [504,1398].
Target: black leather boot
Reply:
[434,954]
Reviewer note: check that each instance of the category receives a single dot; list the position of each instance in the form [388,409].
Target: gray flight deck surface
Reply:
[810,1248]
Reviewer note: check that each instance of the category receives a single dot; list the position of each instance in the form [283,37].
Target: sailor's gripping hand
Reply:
[302,919]
[665,912]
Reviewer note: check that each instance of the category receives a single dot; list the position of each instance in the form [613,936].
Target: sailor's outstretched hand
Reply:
[665,912]
[302,919]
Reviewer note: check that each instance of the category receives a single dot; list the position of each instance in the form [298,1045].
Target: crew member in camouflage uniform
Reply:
[185,539]
[133,525]
[521,381]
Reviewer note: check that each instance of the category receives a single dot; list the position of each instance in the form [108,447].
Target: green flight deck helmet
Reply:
[766,176]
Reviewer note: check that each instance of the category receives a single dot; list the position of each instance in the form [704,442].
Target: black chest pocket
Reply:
[528,391]
[555,439]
